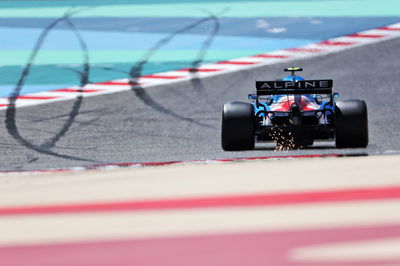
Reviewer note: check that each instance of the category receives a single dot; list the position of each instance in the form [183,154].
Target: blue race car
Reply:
[294,112]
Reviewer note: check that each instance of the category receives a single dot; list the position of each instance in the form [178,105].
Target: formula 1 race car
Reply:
[294,112]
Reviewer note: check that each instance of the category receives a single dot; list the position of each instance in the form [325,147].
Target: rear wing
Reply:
[323,86]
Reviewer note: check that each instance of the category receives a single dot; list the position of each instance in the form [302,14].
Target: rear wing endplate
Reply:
[323,86]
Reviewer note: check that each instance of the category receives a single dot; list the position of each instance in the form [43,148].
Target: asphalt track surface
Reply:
[182,121]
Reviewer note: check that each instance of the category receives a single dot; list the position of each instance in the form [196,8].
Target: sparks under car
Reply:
[297,110]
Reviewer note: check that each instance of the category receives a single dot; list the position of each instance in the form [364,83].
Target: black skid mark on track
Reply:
[196,82]
[142,94]
[136,70]
[11,111]
[31,159]
[81,74]
[72,115]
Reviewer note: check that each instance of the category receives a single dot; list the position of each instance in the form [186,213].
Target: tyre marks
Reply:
[11,110]
[133,75]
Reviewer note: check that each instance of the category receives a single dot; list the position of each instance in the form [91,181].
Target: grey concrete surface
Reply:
[182,121]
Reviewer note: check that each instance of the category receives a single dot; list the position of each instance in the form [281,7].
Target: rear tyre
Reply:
[351,124]
[237,126]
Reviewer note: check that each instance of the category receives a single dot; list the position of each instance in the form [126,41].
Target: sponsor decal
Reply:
[306,84]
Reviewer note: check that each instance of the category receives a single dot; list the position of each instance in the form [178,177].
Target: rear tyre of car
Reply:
[237,126]
[351,124]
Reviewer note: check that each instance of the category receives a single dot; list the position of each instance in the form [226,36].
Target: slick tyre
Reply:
[351,124]
[237,126]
